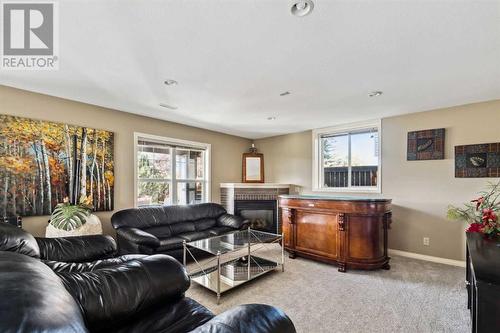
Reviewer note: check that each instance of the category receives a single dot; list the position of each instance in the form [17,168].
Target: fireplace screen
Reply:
[261,214]
[259,219]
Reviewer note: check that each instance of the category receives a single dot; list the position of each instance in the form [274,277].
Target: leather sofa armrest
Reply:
[249,318]
[233,221]
[138,236]
[77,248]
[112,295]
[14,239]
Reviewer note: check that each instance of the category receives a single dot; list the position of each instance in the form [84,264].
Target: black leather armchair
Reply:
[162,229]
[140,294]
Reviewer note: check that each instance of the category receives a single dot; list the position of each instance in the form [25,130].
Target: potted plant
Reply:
[73,219]
[481,213]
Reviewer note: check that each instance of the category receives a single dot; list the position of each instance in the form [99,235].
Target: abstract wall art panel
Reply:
[426,145]
[475,161]
[42,163]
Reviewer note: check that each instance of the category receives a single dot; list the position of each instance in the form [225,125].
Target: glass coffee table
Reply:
[234,260]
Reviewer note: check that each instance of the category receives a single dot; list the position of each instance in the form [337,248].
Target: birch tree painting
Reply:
[37,166]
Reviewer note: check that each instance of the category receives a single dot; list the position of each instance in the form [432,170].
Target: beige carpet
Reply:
[414,296]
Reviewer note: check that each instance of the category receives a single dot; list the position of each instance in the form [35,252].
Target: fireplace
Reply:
[255,202]
[262,214]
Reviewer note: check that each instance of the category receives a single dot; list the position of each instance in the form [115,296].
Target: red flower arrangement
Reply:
[474,227]
[481,213]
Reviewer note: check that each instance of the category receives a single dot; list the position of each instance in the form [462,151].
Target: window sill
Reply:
[348,190]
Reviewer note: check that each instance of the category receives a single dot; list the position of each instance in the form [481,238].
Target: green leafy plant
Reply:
[481,213]
[70,217]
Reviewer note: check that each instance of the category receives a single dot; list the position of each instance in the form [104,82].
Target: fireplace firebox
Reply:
[256,202]
[262,214]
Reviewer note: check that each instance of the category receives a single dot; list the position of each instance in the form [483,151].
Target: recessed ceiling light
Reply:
[170,82]
[285,93]
[375,93]
[163,105]
[271,118]
[302,8]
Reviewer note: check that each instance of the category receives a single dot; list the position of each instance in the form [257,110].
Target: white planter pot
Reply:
[93,226]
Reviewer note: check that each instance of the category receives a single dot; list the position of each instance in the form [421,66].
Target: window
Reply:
[170,171]
[347,158]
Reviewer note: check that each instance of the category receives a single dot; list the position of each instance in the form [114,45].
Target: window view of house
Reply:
[160,181]
[350,160]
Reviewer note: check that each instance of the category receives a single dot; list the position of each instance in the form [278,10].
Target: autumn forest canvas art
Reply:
[42,163]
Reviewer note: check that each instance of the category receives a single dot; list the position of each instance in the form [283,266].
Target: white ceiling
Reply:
[232,59]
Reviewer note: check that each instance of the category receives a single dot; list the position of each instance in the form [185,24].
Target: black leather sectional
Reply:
[162,229]
[76,284]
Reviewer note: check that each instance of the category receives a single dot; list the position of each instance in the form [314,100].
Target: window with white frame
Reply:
[171,171]
[347,158]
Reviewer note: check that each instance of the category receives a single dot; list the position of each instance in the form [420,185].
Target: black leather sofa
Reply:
[162,229]
[136,293]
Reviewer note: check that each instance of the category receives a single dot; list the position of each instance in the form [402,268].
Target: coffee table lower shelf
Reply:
[220,282]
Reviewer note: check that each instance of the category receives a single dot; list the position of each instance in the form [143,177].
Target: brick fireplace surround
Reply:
[233,194]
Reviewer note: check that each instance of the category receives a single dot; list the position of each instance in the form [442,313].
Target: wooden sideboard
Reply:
[483,283]
[348,231]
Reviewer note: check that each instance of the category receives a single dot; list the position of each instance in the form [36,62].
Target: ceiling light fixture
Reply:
[271,118]
[163,105]
[375,93]
[302,8]
[170,82]
[285,93]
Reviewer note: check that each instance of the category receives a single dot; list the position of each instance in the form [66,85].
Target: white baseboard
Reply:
[445,261]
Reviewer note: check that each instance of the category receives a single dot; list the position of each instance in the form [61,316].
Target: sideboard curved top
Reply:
[333,198]
[348,231]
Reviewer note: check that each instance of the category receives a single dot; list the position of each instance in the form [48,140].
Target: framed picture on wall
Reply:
[42,163]
[253,168]
[426,145]
[477,161]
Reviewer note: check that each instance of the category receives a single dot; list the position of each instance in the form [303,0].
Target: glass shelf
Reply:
[224,276]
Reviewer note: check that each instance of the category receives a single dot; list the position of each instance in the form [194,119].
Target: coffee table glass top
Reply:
[233,241]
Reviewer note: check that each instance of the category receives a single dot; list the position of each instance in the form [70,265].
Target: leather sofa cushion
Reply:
[161,231]
[146,217]
[15,239]
[33,299]
[170,243]
[195,235]
[181,316]
[193,212]
[141,218]
[217,231]
[204,224]
[180,228]
[255,318]
[78,267]
[77,249]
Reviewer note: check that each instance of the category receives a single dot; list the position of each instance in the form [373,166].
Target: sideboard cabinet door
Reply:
[317,233]
[365,237]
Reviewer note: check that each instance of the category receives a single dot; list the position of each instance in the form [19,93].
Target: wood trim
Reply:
[244,167]
[419,256]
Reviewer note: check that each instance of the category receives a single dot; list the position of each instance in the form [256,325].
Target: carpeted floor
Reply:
[414,296]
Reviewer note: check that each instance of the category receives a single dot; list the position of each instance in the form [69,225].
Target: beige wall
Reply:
[226,149]
[421,190]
